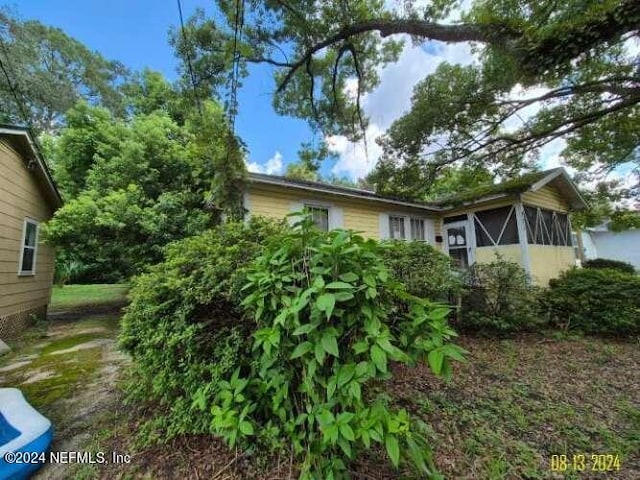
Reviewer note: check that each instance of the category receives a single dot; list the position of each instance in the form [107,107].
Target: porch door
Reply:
[457,242]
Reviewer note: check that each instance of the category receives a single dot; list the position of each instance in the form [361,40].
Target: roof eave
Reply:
[579,202]
[24,136]
[271,180]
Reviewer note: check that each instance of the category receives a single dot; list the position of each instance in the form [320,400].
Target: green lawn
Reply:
[75,296]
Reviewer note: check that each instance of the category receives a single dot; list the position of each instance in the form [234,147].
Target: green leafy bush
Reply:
[330,319]
[610,264]
[425,271]
[499,297]
[184,325]
[595,301]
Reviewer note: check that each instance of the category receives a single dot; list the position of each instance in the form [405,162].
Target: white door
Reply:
[457,243]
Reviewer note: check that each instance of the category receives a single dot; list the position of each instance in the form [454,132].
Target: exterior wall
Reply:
[507,252]
[623,246]
[359,215]
[546,197]
[548,261]
[20,197]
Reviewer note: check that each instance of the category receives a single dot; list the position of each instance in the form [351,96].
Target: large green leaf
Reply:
[325,303]
[379,358]
[338,286]
[301,349]
[330,344]
[436,358]
[393,449]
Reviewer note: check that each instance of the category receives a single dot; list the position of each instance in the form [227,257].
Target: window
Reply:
[396,228]
[497,226]
[320,216]
[417,229]
[545,227]
[29,247]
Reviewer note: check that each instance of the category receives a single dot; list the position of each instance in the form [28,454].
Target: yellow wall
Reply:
[507,252]
[547,197]
[548,261]
[358,215]
[20,197]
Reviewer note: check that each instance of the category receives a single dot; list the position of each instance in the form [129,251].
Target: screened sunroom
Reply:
[526,222]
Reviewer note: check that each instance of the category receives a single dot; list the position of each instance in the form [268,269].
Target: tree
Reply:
[48,72]
[136,185]
[573,53]
[148,91]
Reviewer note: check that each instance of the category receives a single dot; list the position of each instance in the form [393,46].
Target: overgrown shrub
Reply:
[595,301]
[499,297]
[623,267]
[425,271]
[330,318]
[183,327]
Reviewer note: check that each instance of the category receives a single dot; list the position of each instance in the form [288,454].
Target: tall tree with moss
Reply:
[573,57]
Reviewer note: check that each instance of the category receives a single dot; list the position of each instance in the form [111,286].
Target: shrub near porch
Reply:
[294,374]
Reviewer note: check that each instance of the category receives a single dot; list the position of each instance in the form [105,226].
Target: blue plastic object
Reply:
[25,436]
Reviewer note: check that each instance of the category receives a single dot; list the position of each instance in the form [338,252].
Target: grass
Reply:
[517,403]
[78,296]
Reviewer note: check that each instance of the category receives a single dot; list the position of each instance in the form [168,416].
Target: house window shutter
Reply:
[383,223]
[295,207]
[336,218]
[429,231]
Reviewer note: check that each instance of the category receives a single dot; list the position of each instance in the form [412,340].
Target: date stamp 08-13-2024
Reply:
[586,462]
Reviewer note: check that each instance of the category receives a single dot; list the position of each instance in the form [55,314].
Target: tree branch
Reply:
[433,31]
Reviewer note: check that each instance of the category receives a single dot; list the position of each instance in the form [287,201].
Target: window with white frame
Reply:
[407,228]
[29,247]
[396,228]
[320,216]
[417,229]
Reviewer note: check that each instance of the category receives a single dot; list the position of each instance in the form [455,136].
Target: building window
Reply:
[320,216]
[417,229]
[396,228]
[495,227]
[29,247]
[545,227]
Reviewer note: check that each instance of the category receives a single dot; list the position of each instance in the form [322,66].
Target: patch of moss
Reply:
[70,342]
[70,372]
[511,186]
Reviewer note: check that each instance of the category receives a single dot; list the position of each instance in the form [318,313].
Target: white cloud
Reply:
[550,155]
[273,166]
[390,100]
[355,160]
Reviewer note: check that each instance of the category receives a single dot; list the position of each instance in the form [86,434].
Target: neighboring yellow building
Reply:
[524,220]
[28,197]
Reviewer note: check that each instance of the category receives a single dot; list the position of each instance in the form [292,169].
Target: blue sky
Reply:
[135,32]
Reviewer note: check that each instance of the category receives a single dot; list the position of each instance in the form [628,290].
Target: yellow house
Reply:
[525,220]
[28,197]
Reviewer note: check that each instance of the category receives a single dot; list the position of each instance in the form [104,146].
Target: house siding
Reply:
[512,253]
[548,261]
[360,215]
[546,197]
[20,197]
